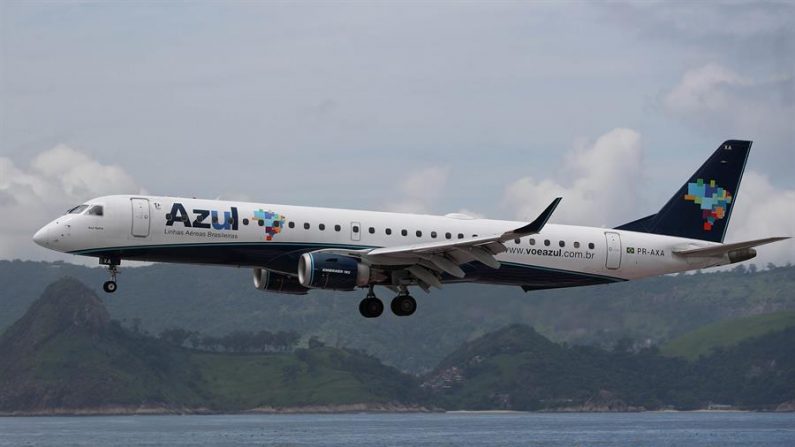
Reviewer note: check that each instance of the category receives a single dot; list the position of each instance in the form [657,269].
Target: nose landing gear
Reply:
[113,264]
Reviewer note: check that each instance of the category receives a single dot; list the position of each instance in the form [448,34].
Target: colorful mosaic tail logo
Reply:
[273,222]
[713,200]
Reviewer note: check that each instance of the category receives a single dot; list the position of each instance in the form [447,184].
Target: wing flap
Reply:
[431,247]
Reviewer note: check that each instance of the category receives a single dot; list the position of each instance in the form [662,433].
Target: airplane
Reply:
[293,249]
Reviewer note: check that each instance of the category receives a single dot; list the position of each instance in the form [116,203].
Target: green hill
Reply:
[517,369]
[722,334]
[219,300]
[65,354]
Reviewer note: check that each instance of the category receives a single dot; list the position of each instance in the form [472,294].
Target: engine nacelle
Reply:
[276,282]
[329,271]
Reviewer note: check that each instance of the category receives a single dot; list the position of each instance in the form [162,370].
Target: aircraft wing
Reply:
[719,250]
[425,261]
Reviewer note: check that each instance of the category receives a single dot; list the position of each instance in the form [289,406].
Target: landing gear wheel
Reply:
[371,307]
[113,269]
[109,286]
[403,305]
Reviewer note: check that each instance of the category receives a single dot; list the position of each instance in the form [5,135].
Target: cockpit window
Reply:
[77,210]
[95,210]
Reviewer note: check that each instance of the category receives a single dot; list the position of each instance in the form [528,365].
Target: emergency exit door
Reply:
[613,250]
[140,217]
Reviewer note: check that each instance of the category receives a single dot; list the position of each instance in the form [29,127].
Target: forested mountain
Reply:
[726,333]
[217,301]
[515,368]
[66,355]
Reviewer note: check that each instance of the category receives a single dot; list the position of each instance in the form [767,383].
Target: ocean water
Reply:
[450,429]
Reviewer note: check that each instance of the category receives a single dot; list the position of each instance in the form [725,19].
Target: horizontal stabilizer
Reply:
[719,250]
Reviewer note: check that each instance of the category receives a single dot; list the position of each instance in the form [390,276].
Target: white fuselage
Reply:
[144,228]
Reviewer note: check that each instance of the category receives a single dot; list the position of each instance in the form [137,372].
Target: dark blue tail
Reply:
[702,207]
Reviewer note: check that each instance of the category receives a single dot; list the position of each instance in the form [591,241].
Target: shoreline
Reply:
[328,409]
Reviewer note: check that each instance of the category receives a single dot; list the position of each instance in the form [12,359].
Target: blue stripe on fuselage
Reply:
[284,256]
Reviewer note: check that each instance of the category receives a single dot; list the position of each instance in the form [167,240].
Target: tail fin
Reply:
[702,207]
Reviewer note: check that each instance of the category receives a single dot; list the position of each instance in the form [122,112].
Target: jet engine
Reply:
[278,283]
[330,271]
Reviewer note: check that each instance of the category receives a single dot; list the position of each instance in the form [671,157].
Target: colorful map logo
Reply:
[713,200]
[273,222]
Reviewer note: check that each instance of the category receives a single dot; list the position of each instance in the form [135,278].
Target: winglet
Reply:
[535,226]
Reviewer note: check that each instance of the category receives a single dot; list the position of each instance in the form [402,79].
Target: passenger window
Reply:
[371,230]
[291,224]
[448,236]
[388,231]
[260,222]
[321,227]
[355,228]
[433,234]
[516,241]
[576,245]
[95,210]
[245,221]
[460,235]
[404,232]
[546,242]
[532,241]
[562,244]
[591,245]
[337,228]
[306,225]
[419,233]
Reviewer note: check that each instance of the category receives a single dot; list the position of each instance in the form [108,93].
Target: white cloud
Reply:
[719,101]
[420,190]
[704,89]
[764,210]
[55,180]
[598,183]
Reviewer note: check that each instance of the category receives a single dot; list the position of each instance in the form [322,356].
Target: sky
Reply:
[486,108]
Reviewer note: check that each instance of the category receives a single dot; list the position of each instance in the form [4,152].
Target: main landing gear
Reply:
[402,305]
[113,267]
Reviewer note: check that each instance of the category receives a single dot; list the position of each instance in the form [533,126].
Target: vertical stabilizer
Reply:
[702,207]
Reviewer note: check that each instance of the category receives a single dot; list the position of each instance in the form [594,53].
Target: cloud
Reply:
[55,180]
[764,210]
[745,28]
[704,89]
[717,100]
[601,183]
[598,183]
[420,190]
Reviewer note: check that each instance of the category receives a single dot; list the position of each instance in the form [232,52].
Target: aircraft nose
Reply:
[42,236]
